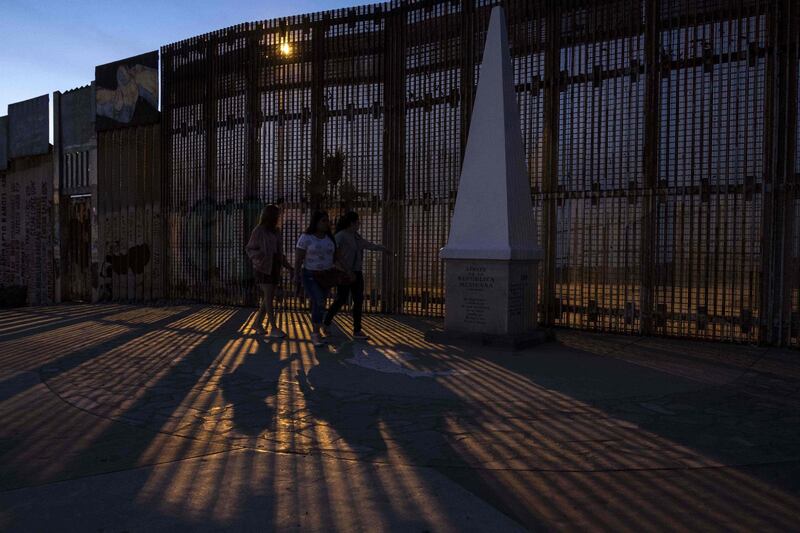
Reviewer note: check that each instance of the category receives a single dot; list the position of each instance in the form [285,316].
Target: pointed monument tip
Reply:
[494,180]
[498,15]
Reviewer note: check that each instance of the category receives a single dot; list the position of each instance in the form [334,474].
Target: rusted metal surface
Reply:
[793,269]
[661,139]
[131,232]
[77,252]
[75,198]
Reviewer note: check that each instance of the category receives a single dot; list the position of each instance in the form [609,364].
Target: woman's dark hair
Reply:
[316,216]
[269,217]
[346,220]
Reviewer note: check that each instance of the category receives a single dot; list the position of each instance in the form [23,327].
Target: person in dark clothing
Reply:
[265,250]
[350,249]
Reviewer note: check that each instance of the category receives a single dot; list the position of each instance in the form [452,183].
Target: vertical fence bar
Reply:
[165,173]
[550,134]
[467,81]
[394,157]
[59,204]
[318,109]
[205,282]
[253,120]
[780,118]
[647,261]
[787,156]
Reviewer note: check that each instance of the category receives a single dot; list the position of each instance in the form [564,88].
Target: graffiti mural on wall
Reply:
[127,92]
[26,229]
[206,220]
[119,261]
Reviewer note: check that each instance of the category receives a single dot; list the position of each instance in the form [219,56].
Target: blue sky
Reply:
[54,45]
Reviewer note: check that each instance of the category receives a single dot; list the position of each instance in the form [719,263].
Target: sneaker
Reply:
[277,333]
[360,336]
[316,340]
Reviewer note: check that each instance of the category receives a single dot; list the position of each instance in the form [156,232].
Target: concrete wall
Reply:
[29,127]
[3,143]
[26,227]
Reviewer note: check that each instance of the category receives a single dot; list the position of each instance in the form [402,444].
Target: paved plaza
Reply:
[130,418]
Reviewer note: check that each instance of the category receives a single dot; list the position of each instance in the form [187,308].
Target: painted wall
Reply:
[26,227]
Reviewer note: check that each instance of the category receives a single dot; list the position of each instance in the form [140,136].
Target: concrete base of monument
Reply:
[491,302]
[514,342]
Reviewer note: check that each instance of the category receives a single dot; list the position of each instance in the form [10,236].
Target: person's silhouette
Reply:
[252,388]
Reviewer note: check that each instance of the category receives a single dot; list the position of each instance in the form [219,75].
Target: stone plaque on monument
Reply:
[490,297]
[492,253]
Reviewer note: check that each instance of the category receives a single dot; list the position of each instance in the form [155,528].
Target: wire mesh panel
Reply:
[653,131]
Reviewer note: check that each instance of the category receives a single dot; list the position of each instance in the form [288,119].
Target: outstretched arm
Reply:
[367,245]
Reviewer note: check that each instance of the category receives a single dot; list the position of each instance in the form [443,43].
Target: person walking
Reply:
[314,265]
[350,246]
[265,250]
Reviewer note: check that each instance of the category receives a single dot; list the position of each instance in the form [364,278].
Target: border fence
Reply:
[661,140]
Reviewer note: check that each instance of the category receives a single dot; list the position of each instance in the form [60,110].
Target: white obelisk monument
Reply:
[492,252]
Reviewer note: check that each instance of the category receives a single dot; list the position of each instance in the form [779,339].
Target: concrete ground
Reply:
[126,418]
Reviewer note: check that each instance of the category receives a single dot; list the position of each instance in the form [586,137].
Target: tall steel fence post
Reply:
[652,43]
[780,119]
[207,279]
[394,159]
[467,81]
[166,171]
[318,110]
[552,100]
[253,150]
[59,207]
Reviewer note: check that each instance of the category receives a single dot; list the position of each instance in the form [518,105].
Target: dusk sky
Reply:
[49,45]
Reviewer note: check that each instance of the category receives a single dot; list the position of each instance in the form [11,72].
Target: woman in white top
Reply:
[316,251]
